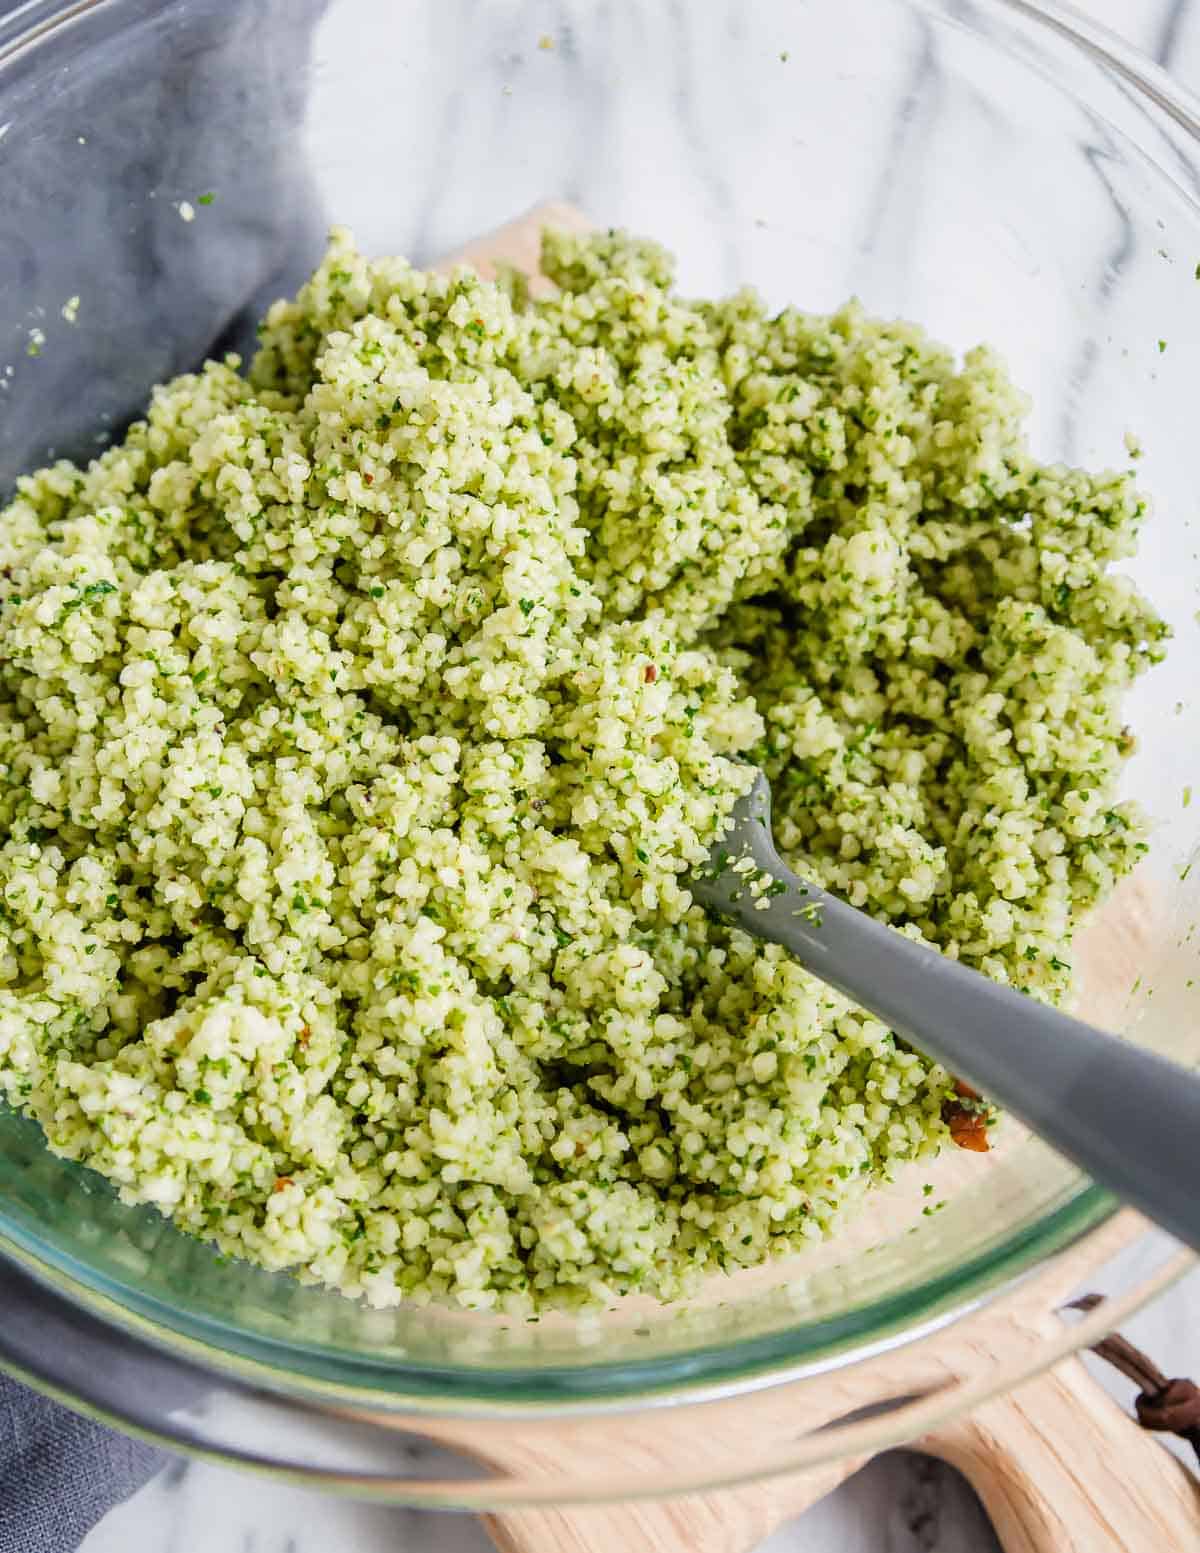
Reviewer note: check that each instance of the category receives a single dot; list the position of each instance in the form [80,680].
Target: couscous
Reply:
[362,716]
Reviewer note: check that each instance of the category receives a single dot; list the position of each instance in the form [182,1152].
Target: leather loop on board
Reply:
[1168,1406]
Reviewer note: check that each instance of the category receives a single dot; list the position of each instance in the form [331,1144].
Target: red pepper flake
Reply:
[650,673]
[283,1181]
[368,479]
[968,1126]
[305,1036]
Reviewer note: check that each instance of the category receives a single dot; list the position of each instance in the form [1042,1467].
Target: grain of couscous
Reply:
[362,716]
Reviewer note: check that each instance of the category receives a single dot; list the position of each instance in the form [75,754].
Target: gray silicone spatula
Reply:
[1128,1117]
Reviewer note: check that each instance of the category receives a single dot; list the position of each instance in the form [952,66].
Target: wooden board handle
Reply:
[734,1520]
[1061,1469]
[1057,1464]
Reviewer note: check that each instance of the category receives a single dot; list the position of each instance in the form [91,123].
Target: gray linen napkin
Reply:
[202,98]
[207,96]
[60,1473]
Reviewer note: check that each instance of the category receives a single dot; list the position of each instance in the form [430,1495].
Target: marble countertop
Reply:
[900,1503]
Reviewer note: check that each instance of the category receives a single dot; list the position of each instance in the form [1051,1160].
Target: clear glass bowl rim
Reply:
[718,1369]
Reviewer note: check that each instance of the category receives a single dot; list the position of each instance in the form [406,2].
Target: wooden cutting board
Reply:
[1058,1466]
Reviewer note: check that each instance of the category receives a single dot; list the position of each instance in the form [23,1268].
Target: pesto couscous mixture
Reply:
[362,716]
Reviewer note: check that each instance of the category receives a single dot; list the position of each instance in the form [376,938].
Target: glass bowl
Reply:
[996,170]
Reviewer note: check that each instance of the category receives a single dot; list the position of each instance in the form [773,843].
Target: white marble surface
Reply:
[900,1503]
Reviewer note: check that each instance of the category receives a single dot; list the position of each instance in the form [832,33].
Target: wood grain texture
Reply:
[731,1522]
[518,243]
[1057,1465]
[1060,1469]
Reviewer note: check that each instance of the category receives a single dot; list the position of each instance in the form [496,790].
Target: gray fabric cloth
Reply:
[60,1473]
[155,105]
[187,98]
